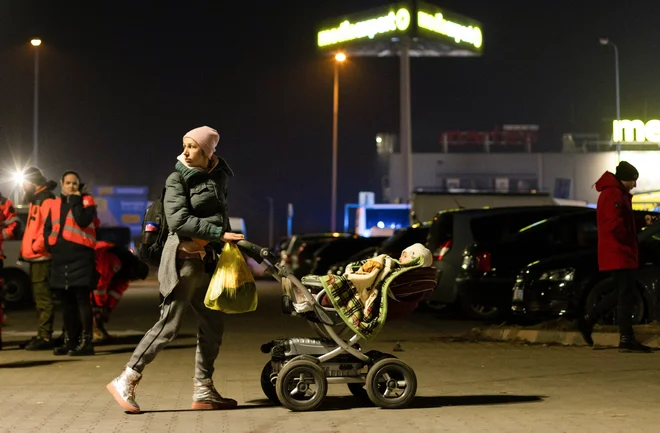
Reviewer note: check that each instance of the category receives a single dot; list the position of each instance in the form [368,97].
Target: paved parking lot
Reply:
[462,386]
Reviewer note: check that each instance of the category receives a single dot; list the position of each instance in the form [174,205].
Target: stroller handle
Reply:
[256,252]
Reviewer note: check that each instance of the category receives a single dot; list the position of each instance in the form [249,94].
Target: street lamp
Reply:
[339,58]
[18,177]
[35,127]
[606,41]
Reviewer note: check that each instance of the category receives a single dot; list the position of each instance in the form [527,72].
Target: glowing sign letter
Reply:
[402,19]
[628,131]
[652,131]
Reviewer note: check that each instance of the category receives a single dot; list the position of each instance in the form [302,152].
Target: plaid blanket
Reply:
[360,295]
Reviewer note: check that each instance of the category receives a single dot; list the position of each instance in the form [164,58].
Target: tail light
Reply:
[482,262]
[441,251]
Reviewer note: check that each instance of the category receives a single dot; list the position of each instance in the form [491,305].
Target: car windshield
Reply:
[404,238]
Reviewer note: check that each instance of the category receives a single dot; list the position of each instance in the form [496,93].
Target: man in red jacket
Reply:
[617,253]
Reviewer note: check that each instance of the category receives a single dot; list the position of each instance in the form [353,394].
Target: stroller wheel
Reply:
[391,384]
[358,389]
[267,386]
[301,385]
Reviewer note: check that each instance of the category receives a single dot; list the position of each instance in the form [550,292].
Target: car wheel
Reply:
[604,288]
[479,311]
[17,288]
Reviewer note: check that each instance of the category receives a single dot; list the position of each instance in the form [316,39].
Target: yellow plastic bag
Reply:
[232,289]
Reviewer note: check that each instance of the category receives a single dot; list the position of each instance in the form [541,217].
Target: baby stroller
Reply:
[300,369]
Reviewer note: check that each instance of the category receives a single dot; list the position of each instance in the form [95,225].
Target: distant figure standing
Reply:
[70,238]
[617,253]
[39,194]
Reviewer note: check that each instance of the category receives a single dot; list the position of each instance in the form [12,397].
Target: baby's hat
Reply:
[419,250]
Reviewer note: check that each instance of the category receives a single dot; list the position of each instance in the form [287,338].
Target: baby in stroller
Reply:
[371,292]
[366,267]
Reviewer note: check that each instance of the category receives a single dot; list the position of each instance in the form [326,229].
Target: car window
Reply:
[403,238]
[494,228]
[442,231]
[587,234]
[116,235]
[581,232]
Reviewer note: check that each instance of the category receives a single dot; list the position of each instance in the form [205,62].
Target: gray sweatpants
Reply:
[190,290]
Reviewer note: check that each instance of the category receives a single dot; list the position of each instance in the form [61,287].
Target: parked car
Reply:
[453,230]
[341,249]
[290,249]
[117,235]
[570,284]
[489,269]
[393,246]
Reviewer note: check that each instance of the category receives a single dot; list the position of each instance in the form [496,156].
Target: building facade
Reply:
[569,174]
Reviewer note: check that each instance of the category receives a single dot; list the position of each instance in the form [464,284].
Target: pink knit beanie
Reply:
[207,139]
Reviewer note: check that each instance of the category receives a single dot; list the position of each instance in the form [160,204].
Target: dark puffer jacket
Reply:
[196,208]
[72,265]
[207,194]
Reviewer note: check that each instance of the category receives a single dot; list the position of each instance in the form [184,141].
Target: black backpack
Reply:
[155,230]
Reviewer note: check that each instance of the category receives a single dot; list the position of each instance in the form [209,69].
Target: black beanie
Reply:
[34,176]
[625,172]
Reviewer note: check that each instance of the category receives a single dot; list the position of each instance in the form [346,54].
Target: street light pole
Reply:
[35,127]
[405,121]
[606,41]
[339,58]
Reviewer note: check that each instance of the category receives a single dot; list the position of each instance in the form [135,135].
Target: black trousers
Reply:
[622,297]
[76,311]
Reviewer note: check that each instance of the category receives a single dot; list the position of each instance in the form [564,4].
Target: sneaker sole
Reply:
[213,406]
[127,407]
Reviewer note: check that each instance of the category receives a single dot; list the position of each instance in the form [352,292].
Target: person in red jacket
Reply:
[8,221]
[617,253]
[116,268]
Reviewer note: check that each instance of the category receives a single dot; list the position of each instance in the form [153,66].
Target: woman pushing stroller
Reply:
[195,204]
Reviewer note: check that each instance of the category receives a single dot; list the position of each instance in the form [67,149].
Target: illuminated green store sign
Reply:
[633,131]
[398,21]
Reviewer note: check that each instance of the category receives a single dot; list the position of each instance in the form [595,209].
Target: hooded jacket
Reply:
[33,247]
[196,209]
[617,235]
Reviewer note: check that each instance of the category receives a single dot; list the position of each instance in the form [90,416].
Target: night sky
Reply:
[121,84]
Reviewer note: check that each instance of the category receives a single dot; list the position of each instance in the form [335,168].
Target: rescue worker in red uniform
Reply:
[70,233]
[39,193]
[116,267]
[8,222]
[617,254]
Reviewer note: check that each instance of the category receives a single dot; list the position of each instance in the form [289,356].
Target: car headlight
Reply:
[559,275]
